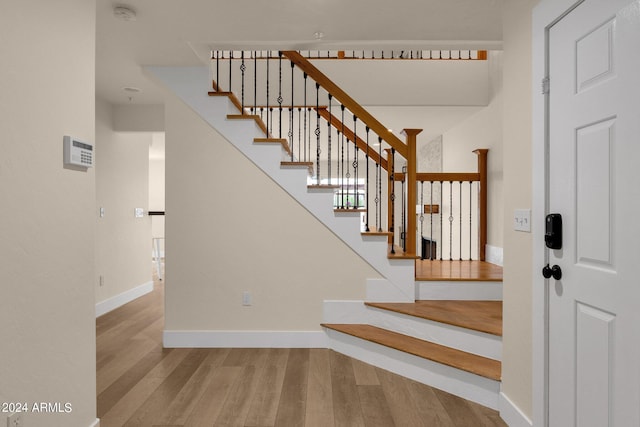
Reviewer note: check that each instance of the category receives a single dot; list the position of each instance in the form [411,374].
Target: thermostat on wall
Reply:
[77,153]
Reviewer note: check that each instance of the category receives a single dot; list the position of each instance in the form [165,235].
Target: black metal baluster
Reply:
[379,187]
[230,73]
[242,69]
[340,169]
[403,210]
[317,132]
[329,139]
[280,93]
[342,161]
[304,133]
[348,169]
[291,113]
[366,185]
[421,217]
[392,198]
[255,82]
[270,119]
[217,88]
[267,104]
[355,164]
[309,135]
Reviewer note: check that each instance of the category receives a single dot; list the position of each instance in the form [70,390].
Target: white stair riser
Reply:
[459,290]
[464,384]
[355,312]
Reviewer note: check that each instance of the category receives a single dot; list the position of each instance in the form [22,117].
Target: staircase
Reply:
[428,332]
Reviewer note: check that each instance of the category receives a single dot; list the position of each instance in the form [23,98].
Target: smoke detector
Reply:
[124,13]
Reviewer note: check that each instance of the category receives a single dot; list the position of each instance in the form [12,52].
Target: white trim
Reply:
[121,299]
[436,290]
[96,423]
[544,15]
[244,339]
[494,255]
[511,414]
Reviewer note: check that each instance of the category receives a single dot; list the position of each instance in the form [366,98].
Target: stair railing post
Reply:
[410,233]
[482,202]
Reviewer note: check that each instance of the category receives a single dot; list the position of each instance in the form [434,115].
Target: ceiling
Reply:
[181,32]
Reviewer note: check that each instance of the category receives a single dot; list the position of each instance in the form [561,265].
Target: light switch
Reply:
[522,220]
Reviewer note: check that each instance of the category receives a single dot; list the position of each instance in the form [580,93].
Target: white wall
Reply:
[517,288]
[230,229]
[482,130]
[47,212]
[123,242]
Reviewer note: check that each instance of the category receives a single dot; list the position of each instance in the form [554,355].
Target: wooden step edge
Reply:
[281,141]
[257,119]
[405,308]
[322,187]
[376,233]
[452,357]
[458,279]
[400,254]
[308,165]
[346,210]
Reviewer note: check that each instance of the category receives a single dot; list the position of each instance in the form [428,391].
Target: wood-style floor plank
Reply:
[319,408]
[145,385]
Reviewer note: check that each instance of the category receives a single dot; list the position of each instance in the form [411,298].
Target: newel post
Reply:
[412,185]
[482,170]
[390,195]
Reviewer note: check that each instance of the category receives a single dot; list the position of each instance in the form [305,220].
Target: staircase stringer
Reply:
[189,83]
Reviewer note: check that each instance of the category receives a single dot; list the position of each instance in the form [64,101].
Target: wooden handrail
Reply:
[348,133]
[339,94]
[442,176]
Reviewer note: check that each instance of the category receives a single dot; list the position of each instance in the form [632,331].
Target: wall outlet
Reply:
[522,220]
[15,420]
[246,298]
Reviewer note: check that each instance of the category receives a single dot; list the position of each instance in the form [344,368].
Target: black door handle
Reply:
[555,272]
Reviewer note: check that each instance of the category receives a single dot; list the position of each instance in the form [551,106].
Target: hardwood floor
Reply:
[141,384]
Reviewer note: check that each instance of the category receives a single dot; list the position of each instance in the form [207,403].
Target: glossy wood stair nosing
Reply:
[478,365]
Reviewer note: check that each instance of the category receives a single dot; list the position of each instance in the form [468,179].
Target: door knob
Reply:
[555,272]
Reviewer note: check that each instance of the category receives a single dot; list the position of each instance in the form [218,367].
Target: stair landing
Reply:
[467,271]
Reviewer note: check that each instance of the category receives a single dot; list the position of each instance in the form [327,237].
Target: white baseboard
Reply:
[244,339]
[494,255]
[121,299]
[511,414]
[96,423]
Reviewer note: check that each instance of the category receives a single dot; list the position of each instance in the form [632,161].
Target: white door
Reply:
[594,183]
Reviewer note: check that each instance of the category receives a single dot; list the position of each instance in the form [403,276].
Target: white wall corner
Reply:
[511,414]
[244,339]
[119,300]
[494,255]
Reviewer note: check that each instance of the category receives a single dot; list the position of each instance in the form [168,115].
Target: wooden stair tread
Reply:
[323,186]
[232,97]
[306,165]
[347,210]
[478,365]
[481,316]
[436,270]
[281,141]
[376,233]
